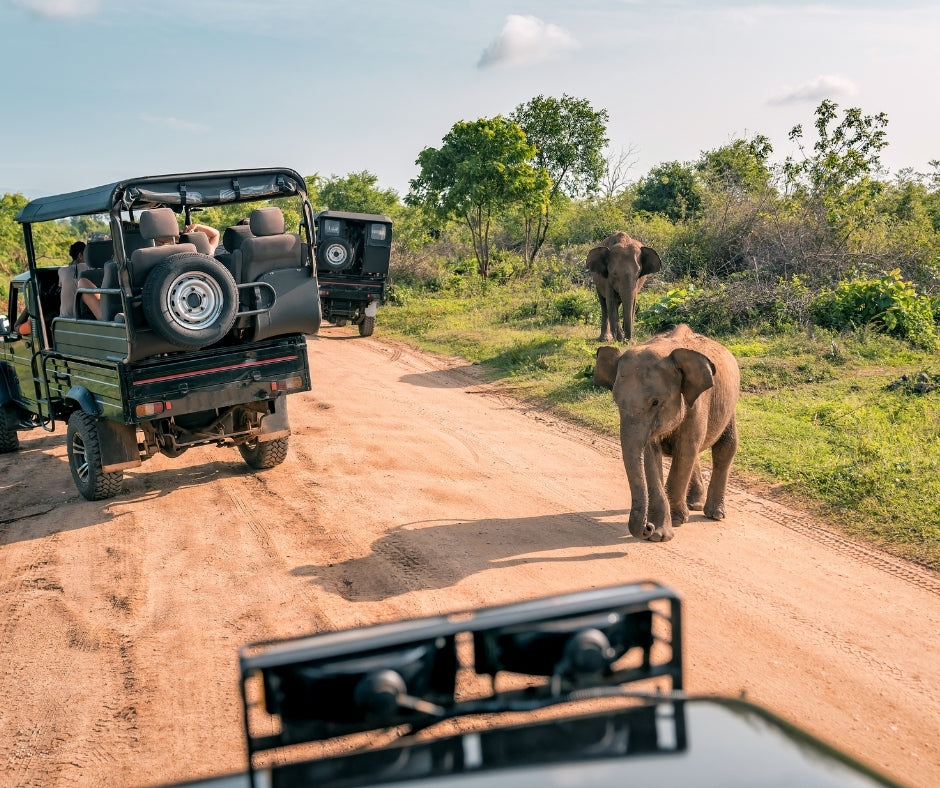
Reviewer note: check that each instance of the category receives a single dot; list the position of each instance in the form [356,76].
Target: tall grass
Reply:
[826,420]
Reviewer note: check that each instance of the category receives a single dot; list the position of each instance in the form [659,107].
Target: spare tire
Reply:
[190,300]
[336,254]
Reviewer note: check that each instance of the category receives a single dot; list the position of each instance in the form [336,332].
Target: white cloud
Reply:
[822,87]
[175,123]
[57,9]
[525,40]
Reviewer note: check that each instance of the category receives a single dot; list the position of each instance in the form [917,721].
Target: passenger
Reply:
[69,279]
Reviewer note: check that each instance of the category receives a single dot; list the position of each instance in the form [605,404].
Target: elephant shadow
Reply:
[434,555]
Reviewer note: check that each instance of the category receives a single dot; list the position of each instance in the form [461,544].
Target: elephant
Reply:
[676,394]
[619,266]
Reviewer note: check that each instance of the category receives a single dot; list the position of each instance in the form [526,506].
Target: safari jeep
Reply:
[353,251]
[193,346]
[584,688]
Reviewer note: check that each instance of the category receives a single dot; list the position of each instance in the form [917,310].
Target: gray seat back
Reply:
[268,247]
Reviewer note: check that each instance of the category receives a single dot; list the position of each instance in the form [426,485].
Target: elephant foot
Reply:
[695,504]
[605,338]
[663,534]
[644,532]
[680,516]
[715,512]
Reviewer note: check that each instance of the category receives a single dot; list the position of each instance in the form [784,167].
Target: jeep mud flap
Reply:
[118,443]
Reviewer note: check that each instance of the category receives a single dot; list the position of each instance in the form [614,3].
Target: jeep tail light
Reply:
[377,232]
[293,382]
[152,409]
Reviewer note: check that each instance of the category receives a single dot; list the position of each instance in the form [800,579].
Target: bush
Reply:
[887,303]
[576,306]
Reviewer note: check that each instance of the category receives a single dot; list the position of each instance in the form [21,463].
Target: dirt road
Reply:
[411,488]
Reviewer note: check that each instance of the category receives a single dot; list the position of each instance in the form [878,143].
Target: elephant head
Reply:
[619,266]
[656,390]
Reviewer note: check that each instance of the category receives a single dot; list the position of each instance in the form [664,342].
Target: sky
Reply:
[95,91]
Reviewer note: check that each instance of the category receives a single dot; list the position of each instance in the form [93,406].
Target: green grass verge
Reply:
[825,421]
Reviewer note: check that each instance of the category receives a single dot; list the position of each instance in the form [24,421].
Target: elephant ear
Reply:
[697,373]
[650,261]
[605,366]
[597,260]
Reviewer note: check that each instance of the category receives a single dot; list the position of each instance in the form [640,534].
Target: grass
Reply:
[825,421]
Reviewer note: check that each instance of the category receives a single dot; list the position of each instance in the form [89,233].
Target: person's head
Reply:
[77,251]
[166,239]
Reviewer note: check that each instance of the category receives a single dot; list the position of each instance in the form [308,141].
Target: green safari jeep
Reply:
[193,345]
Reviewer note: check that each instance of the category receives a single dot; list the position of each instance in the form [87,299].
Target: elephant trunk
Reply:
[629,310]
[634,463]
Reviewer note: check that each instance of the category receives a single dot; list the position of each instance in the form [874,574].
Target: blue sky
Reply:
[94,91]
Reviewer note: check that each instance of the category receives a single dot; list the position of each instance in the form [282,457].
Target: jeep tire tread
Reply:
[84,450]
[261,456]
[9,440]
[367,326]
[190,300]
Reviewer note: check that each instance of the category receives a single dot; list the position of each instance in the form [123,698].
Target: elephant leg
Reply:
[695,498]
[658,516]
[722,454]
[606,334]
[677,485]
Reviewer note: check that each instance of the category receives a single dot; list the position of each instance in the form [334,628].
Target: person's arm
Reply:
[211,233]
[21,326]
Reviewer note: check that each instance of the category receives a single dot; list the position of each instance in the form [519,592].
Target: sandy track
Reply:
[411,487]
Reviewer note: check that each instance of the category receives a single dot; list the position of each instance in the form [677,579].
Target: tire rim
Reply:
[336,254]
[194,301]
[80,457]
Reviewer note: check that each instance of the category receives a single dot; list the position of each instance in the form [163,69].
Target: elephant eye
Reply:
[654,403]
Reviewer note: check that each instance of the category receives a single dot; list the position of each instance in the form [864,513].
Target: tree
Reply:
[670,189]
[739,167]
[616,167]
[569,136]
[357,192]
[481,168]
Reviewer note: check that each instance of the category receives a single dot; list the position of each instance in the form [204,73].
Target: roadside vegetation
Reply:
[821,272]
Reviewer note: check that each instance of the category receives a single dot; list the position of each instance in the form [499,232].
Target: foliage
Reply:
[481,168]
[739,167]
[886,302]
[670,189]
[357,192]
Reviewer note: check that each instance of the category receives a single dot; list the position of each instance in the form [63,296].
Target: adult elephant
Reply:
[619,266]
[676,394]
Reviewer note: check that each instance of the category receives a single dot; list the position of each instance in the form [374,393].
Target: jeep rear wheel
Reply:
[84,449]
[9,440]
[335,254]
[264,455]
[367,326]
[190,300]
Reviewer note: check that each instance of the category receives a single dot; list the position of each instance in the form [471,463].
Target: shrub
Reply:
[886,302]
[576,306]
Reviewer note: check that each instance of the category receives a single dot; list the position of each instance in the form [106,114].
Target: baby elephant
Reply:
[676,394]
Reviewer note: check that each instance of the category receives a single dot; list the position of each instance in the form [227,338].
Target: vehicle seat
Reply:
[97,253]
[155,223]
[110,302]
[268,247]
[198,239]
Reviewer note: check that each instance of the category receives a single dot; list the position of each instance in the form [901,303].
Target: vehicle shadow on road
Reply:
[422,556]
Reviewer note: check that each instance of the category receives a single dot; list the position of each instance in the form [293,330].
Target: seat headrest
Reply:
[233,236]
[266,221]
[97,252]
[159,223]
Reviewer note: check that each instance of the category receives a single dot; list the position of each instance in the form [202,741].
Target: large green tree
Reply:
[569,136]
[482,168]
